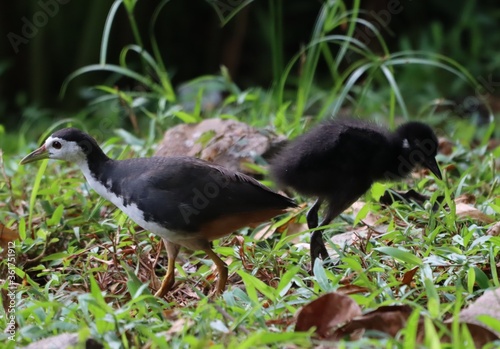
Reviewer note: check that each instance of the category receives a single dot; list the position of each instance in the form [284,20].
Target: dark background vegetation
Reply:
[193,43]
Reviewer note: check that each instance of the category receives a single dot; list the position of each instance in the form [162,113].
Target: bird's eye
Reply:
[56,145]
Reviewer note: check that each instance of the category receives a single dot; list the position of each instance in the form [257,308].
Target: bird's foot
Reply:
[216,292]
[166,285]
[318,248]
[161,293]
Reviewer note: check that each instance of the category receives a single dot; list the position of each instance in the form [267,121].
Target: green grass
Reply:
[83,267]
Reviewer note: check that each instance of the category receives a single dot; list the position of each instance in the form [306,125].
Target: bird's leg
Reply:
[318,247]
[335,207]
[312,214]
[221,269]
[169,279]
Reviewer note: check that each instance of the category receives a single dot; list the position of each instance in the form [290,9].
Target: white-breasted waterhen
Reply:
[186,201]
[340,159]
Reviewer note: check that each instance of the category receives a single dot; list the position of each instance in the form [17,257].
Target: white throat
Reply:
[130,210]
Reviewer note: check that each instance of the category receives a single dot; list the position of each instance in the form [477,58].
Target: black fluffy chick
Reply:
[339,160]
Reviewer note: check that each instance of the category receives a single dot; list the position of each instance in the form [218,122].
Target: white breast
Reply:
[130,210]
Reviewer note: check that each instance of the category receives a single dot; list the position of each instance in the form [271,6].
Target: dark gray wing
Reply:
[181,193]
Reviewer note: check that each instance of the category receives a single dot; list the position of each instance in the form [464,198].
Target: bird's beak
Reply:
[39,154]
[432,165]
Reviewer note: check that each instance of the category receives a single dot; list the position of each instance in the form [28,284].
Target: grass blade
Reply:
[403,256]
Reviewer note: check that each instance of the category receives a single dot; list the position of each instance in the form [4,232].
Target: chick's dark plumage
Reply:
[319,162]
[339,160]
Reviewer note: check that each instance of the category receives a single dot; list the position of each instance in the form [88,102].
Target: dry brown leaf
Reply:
[449,168]
[349,237]
[445,146]
[493,143]
[337,317]
[178,326]
[487,304]
[494,230]
[386,319]
[65,341]
[327,313]
[352,289]
[7,235]
[292,227]
[264,233]
[469,199]
[469,211]
[479,334]
[408,277]
[371,219]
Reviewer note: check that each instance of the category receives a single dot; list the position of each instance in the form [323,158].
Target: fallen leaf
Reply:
[445,146]
[465,210]
[65,341]
[479,334]
[408,277]
[291,227]
[178,326]
[264,233]
[281,321]
[493,143]
[466,199]
[352,289]
[487,304]
[327,313]
[370,219]
[448,168]
[6,236]
[494,230]
[348,237]
[386,319]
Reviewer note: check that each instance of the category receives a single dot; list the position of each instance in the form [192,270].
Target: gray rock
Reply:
[226,142]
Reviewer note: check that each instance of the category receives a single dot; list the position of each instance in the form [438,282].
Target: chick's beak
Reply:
[432,165]
[39,154]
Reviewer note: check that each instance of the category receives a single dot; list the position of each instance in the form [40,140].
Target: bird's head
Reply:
[68,144]
[420,145]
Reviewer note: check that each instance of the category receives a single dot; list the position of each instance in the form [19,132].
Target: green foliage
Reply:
[85,281]
[82,267]
[291,97]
